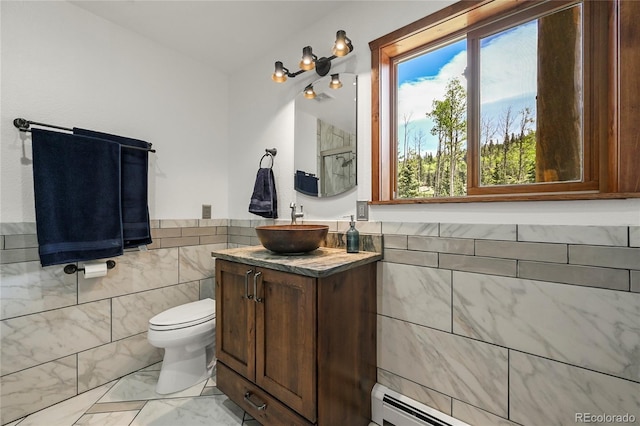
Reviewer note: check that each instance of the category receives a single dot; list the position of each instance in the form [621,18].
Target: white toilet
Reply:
[188,335]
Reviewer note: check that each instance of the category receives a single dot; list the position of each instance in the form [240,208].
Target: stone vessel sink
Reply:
[292,239]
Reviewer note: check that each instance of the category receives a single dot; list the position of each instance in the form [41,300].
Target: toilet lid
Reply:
[184,315]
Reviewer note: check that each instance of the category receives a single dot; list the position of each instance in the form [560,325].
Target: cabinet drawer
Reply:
[259,404]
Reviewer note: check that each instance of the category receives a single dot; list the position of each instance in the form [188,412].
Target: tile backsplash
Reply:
[492,324]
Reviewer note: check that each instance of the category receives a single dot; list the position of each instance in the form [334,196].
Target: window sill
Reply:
[513,197]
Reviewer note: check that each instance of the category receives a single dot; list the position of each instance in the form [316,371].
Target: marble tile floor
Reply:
[132,401]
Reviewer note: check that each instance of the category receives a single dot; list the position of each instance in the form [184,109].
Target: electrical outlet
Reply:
[362,210]
[206,211]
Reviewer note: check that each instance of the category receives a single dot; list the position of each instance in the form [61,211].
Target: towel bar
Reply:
[72,269]
[23,125]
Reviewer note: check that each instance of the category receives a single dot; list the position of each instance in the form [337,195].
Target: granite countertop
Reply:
[319,263]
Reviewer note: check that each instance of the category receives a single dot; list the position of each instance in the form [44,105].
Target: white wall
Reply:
[262,116]
[62,65]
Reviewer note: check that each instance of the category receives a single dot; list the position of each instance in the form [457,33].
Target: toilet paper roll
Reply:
[95,269]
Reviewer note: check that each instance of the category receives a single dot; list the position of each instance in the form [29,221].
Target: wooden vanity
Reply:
[296,335]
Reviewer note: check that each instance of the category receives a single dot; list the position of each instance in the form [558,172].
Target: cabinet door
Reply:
[286,339]
[235,317]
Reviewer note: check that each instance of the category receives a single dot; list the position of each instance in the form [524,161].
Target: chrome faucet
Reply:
[294,214]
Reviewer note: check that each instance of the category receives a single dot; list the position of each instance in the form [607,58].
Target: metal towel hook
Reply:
[271,153]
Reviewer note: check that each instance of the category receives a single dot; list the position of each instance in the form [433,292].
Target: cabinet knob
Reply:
[246,284]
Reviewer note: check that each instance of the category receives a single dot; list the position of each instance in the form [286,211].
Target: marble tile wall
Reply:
[62,334]
[492,324]
[512,324]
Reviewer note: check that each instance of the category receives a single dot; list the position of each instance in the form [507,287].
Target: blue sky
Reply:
[429,65]
[508,77]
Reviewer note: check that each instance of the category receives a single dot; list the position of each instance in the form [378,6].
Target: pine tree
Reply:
[408,184]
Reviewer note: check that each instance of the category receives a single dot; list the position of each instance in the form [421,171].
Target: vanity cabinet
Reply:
[294,349]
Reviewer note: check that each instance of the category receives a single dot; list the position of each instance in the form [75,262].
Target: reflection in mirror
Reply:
[325,138]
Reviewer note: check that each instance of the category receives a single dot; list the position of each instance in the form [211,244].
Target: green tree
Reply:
[408,183]
[450,118]
[418,141]
[513,160]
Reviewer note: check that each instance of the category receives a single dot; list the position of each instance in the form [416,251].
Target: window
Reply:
[511,100]
[431,117]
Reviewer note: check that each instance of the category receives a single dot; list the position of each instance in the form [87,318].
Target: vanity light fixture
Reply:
[342,46]
[309,93]
[280,74]
[309,61]
[335,82]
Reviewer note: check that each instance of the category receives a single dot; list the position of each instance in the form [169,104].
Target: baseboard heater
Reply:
[390,408]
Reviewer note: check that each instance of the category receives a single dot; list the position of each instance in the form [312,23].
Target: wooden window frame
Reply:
[611,157]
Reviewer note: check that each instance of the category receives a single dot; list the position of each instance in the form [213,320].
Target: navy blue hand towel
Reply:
[77,197]
[135,175]
[306,183]
[264,201]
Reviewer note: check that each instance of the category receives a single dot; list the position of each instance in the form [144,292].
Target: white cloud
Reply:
[417,97]
[508,70]
[508,65]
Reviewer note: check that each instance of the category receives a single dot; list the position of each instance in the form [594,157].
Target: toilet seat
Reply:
[183,316]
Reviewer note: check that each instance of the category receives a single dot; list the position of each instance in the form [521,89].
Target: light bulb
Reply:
[335,82]
[279,75]
[309,93]
[342,47]
[307,63]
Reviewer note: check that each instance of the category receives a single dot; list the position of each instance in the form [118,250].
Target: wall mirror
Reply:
[325,137]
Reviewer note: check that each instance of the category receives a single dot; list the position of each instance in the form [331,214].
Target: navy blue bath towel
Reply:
[134,177]
[77,197]
[264,201]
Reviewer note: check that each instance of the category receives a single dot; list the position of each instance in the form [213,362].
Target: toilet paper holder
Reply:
[72,269]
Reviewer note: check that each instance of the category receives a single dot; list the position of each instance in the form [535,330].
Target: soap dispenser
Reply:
[353,238]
